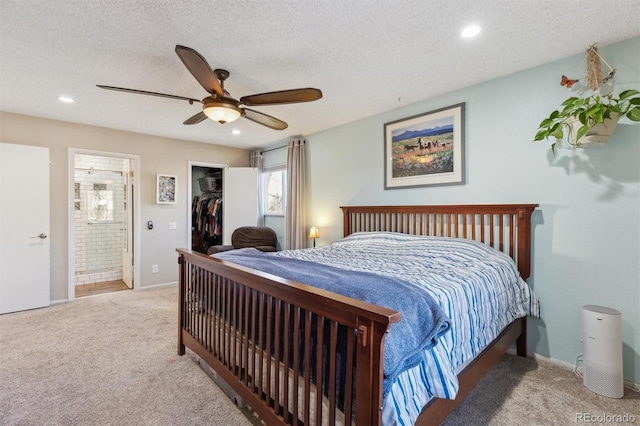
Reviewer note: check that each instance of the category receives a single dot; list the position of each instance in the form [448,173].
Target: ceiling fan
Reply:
[220,106]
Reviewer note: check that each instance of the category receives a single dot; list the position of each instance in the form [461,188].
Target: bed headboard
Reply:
[506,227]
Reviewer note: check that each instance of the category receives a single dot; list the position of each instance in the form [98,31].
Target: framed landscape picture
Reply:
[165,189]
[426,149]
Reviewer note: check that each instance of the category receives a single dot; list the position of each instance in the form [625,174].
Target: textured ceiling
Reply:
[366,56]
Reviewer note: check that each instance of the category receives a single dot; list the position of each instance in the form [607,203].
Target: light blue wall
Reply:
[586,230]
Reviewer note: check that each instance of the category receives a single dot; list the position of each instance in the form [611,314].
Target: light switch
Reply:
[173,225]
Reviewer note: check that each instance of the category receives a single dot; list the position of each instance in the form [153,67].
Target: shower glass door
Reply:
[100,218]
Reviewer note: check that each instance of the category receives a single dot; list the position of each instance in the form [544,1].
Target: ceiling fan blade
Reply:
[201,116]
[200,69]
[144,92]
[282,97]
[264,119]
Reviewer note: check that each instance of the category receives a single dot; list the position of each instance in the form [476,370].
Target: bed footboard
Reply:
[250,326]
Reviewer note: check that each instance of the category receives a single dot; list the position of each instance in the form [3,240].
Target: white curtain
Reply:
[295,227]
[256,161]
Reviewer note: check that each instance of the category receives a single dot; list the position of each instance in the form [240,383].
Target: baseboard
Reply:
[57,302]
[148,287]
[538,357]
[569,366]
[562,364]
[559,363]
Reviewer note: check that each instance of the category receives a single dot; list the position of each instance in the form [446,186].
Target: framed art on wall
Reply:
[166,189]
[426,149]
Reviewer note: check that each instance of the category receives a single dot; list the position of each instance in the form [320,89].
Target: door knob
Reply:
[41,236]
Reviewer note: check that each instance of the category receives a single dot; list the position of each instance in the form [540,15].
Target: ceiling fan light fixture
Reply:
[221,106]
[222,112]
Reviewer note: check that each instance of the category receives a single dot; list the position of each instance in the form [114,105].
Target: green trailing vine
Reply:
[590,111]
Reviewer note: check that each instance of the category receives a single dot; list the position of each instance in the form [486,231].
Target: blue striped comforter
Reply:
[477,287]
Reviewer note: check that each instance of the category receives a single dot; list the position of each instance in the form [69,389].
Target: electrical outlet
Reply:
[173,225]
[154,269]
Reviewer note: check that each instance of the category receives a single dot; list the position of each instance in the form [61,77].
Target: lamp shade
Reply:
[222,114]
[313,232]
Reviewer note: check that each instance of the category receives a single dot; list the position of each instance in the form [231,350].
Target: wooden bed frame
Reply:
[222,306]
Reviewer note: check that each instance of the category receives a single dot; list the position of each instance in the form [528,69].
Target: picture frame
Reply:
[425,149]
[166,189]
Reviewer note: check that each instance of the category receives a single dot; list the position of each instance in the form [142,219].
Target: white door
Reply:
[127,244]
[24,227]
[240,199]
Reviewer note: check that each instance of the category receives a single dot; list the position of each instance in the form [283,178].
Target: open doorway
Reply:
[102,245]
[236,190]
[206,205]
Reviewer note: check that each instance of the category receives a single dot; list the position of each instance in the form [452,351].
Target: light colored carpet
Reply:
[111,360]
[105,360]
[524,391]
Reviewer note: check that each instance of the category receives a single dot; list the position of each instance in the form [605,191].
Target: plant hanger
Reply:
[594,71]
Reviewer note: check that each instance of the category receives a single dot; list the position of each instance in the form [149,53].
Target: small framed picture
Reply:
[426,149]
[166,186]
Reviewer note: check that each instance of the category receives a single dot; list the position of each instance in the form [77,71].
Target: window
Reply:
[275,187]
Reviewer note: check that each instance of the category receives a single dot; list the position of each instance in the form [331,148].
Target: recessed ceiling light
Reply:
[470,31]
[235,131]
[65,99]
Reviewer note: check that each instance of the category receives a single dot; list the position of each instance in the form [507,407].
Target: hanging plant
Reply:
[590,120]
[581,115]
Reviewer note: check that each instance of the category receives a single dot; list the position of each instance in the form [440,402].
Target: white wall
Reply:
[586,230]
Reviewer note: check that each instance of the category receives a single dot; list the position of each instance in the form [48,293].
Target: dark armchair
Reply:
[258,237]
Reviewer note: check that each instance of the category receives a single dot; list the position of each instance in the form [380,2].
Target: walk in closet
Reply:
[222,200]
[206,208]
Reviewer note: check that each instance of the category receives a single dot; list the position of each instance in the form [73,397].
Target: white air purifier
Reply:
[602,350]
